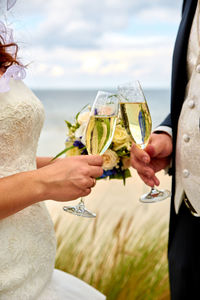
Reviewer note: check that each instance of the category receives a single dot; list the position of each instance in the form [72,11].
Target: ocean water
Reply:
[63,105]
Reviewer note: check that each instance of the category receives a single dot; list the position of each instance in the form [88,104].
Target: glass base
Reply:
[79,210]
[155,195]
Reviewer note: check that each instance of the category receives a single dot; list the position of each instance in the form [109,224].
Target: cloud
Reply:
[116,40]
[81,23]
[100,67]
[84,43]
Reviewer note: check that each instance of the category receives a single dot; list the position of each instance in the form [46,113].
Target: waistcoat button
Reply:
[191,104]
[198,68]
[186,173]
[186,138]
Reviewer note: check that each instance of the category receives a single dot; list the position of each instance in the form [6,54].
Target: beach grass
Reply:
[123,261]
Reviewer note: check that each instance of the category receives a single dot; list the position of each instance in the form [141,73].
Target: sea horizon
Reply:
[64,104]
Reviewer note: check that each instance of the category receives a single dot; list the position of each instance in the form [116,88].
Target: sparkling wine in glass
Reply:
[137,121]
[98,136]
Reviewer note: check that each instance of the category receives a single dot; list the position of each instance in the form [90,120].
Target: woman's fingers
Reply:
[91,182]
[94,160]
[86,192]
[95,172]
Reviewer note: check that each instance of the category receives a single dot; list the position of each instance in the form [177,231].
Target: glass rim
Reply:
[135,91]
[106,96]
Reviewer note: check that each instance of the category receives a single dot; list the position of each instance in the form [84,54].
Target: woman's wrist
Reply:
[41,184]
[19,191]
[43,161]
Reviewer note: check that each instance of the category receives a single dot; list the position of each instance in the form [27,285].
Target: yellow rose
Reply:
[83,117]
[110,160]
[74,151]
[120,138]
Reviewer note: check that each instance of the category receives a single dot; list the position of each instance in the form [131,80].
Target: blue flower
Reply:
[108,173]
[78,144]
[84,152]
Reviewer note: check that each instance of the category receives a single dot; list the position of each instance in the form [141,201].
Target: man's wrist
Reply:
[168,131]
[163,129]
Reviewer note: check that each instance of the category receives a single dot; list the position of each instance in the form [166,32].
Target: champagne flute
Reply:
[137,121]
[98,136]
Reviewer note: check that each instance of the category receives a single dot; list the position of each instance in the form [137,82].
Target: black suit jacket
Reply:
[178,86]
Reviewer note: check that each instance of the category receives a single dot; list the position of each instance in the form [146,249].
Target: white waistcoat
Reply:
[188,137]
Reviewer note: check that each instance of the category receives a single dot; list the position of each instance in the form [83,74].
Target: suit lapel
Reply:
[179,72]
[179,81]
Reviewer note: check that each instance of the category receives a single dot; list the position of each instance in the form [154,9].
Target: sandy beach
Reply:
[110,199]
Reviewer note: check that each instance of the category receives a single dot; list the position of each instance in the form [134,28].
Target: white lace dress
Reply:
[27,240]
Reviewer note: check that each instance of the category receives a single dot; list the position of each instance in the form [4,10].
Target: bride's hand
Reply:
[70,178]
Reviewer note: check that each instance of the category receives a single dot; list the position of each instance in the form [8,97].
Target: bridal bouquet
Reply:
[116,158]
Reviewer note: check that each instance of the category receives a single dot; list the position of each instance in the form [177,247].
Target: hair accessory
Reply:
[14,71]
[10,4]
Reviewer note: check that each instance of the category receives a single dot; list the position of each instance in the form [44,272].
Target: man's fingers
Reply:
[143,168]
[159,164]
[150,149]
[147,180]
[139,154]
[150,181]
[160,145]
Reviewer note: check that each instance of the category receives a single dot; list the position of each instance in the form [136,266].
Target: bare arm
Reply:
[65,179]
[19,191]
[42,161]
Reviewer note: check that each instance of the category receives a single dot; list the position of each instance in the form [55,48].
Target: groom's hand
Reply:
[155,157]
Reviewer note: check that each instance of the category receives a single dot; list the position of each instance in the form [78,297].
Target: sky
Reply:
[95,43]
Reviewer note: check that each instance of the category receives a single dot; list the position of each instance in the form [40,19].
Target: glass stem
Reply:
[81,205]
[154,192]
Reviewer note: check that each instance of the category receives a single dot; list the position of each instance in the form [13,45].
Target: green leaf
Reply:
[80,111]
[123,152]
[113,95]
[69,125]
[107,123]
[126,173]
[62,152]
[116,176]
[123,174]
[99,130]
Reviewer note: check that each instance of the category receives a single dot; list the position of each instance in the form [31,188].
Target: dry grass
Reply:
[121,262]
